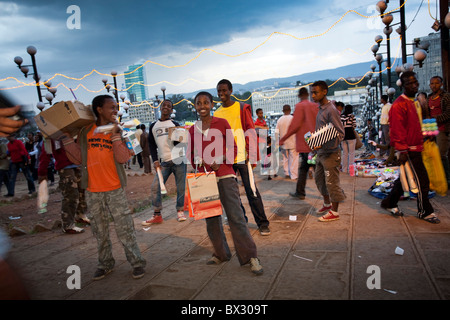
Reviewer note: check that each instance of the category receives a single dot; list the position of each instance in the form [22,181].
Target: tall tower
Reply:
[137,92]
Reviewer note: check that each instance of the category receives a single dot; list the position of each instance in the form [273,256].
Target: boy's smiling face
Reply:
[203,105]
[224,92]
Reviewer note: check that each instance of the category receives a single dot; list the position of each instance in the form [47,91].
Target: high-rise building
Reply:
[432,65]
[144,112]
[135,82]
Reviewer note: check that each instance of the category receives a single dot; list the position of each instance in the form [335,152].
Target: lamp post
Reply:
[31,50]
[379,59]
[108,85]
[25,69]
[163,89]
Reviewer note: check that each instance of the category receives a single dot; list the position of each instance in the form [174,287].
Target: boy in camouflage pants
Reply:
[102,156]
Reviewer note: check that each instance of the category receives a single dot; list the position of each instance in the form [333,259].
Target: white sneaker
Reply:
[73,230]
[181,216]
[255,266]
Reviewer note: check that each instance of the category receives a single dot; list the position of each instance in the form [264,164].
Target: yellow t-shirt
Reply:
[233,115]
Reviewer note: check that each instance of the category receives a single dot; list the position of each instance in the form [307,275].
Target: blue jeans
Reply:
[15,167]
[179,171]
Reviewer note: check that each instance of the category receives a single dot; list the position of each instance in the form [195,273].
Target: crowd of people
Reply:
[92,174]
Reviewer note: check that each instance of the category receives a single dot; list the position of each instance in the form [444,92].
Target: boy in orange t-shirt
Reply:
[102,157]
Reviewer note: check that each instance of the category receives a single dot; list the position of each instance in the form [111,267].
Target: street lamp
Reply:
[163,89]
[108,85]
[31,50]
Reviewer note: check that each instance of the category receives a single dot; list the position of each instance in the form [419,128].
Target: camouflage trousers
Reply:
[102,206]
[73,202]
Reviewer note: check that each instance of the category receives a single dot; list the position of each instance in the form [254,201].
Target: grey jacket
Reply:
[329,114]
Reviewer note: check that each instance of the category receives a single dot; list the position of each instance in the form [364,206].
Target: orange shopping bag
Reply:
[202,195]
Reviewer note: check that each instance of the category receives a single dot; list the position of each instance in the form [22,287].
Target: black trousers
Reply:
[424,206]
[255,203]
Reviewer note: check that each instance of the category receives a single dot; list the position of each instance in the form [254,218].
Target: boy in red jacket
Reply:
[405,118]
[212,148]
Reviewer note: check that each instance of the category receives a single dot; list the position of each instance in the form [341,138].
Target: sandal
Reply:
[396,212]
[431,218]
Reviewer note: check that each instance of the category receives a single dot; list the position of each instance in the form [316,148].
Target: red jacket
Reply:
[17,151]
[304,121]
[405,126]
[61,160]
[219,142]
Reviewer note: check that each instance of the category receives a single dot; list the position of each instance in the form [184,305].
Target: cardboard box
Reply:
[132,141]
[64,116]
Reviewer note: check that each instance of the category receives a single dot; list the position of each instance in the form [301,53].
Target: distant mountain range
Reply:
[352,70]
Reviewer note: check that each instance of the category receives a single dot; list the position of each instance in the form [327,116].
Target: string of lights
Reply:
[23,84]
[202,51]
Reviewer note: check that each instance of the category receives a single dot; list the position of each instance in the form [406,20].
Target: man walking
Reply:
[407,139]
[288,152]
[239,116]
[304,121]
[20,161]
[328,155]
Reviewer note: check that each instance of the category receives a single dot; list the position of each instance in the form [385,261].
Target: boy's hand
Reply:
[215,166]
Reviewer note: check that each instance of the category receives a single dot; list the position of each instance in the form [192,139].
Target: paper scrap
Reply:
[390,291]
[146,229]
[293,218]
[302,258]
[13,218]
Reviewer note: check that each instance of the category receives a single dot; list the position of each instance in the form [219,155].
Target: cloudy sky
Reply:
[190,45]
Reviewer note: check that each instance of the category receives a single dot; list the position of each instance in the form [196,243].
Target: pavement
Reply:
[303,259]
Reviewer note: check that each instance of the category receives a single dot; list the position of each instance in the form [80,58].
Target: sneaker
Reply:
[8,195]
[297,195]
[73,230]
[330,216]
[82,219]
[101,273]
[264,230]
[157,218]
[256,267]
[138,272]
[324,209]
[181,216]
